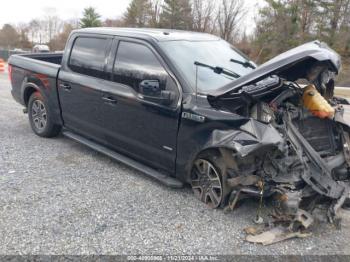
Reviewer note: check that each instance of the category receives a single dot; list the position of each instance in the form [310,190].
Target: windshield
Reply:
[217,53]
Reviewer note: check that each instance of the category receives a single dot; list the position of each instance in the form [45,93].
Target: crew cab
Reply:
[188,108]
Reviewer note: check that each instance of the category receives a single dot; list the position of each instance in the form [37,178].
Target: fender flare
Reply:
[29,85]
[24,89]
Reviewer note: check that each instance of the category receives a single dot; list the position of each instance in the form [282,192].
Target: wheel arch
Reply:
[27,90]
[217,151]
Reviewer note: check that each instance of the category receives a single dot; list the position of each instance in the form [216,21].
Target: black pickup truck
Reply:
[189,108]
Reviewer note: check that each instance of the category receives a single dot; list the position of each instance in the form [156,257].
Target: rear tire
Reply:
[41,118]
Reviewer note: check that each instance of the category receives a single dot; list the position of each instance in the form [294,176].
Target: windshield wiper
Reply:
[244,63]
[219,70]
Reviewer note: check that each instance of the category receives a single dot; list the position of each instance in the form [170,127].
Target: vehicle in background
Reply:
[41,49]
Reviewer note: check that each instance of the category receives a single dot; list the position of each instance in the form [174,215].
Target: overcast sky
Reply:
[15,11]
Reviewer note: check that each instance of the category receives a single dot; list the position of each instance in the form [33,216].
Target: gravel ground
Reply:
[59,197]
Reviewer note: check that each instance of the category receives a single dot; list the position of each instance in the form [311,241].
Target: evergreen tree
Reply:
[177,14]
[138,13]
[90,18]
[283,24]
[333,24]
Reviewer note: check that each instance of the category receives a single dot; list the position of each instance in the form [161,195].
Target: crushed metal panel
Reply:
[251,137]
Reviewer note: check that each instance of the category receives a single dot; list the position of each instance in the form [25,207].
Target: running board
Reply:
[166,180]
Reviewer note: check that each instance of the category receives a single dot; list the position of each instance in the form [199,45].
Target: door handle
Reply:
[66,86]
[109,100]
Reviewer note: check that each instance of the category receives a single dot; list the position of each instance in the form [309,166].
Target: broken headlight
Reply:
[262,112]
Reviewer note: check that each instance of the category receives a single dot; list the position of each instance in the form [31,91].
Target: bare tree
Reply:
[34,30]
[58,42]
[307,11]
[156,9]
[52,23]
[113,22]
[23,31]
[229,17]
[203,12]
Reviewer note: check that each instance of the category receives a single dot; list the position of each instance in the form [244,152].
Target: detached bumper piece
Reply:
[274,235]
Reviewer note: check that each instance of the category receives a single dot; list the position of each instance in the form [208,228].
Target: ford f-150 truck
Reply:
[188,108]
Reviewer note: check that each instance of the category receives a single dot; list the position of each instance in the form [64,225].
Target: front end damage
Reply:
[294,150]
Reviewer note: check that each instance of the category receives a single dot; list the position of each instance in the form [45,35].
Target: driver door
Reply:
[141,106]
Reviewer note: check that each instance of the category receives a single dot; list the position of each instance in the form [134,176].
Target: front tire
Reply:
[206,181]
[40,117]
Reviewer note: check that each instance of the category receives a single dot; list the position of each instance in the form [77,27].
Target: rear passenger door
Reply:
[142,105]
[80,82]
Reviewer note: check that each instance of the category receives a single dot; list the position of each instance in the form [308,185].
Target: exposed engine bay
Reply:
[297,154]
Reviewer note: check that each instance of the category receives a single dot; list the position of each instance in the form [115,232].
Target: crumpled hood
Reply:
[291,65]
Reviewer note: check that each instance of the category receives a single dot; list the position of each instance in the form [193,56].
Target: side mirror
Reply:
[150,87]
[151,91]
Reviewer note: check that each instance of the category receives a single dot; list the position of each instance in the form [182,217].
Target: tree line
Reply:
[284,24]
[221,17]
[279,24]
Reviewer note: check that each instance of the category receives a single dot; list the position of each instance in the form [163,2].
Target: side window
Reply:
[88,56]
[135,63]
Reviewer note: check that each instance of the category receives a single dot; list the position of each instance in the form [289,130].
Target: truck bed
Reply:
[43,63]
[54,58]
[36,72]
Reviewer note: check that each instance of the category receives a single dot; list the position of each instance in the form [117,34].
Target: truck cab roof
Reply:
[160,35]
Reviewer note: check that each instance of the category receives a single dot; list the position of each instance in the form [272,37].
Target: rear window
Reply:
[88,56]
